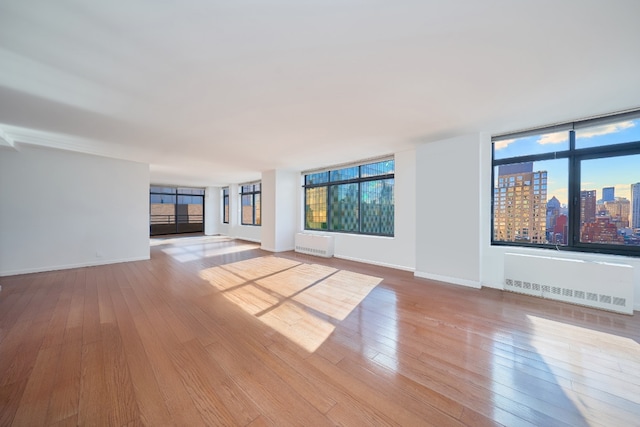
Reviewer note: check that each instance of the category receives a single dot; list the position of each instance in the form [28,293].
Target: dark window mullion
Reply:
[332,186]
[533,158]
[574,194]
[329,208]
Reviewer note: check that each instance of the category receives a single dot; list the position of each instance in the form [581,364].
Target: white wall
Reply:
[62,210]
[398,251]
[235,229]
[223,228]
[448,210]
[212,210]
[280,200]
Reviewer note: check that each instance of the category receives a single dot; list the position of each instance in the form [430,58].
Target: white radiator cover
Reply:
[595,284]
[314,244]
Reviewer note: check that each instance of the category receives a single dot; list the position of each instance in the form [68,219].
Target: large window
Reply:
[176,210]
[225,205]
[355,199]
[250,202]
[574,186]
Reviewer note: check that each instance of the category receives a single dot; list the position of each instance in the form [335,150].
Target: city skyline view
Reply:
[617,172]
[530,193]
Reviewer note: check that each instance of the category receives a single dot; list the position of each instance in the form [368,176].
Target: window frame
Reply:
[332,185]
[225,204]
[575,157]
[176,193]
[256,190]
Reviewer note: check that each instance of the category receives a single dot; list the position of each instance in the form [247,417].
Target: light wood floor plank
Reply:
[212,331]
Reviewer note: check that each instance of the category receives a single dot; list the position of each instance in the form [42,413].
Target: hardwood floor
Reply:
[212,331]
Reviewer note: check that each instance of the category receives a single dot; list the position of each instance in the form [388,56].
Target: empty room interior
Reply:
[320,213]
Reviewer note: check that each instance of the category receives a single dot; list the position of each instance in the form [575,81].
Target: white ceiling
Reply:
[214,92]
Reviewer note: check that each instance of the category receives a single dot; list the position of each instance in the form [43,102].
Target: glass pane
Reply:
[344,174]
[195,200]
[316,178]
[195,191]
[189,209]
[316,208]
[247,209]
[534,144]
[608,134]
[169,190]
[246,189]
[380,168]
[162,199]
[162,214]
[344,207]
[530,202]
[377,207]
[610,201]
[257,187]
[258,220]
[225,192]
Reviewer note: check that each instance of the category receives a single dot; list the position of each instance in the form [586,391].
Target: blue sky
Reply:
[596,174]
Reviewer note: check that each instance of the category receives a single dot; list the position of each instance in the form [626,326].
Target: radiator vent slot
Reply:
[619,301]
[600,285]
[605,299]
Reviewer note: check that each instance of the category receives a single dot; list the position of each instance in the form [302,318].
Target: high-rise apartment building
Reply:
[520,198]
[635,205]
[553,211]
[587,207]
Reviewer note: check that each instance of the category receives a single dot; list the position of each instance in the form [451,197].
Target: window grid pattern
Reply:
[225,205]
[578,197]
[344,208]
[356,199]
[250,204]
[176,210]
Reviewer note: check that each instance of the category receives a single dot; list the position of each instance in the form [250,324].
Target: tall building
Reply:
[635,205]
[561,231]
[587,207]
[553,211]
[618,210]
[602,230]
[520,199]
[608,194]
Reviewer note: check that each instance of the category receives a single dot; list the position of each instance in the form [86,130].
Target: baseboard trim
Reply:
[270,249]
[70,266]
[380,264]
[453,280]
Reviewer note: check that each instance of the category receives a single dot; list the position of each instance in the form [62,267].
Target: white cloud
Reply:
[554,138]
[499,145]
[605,129]
[623,190]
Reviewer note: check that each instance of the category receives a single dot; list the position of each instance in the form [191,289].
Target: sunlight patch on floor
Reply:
[557,358]
[198,251]
[187,240]
[602,340]
[256,268]
[338,294]
[303,302]
[300,326]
